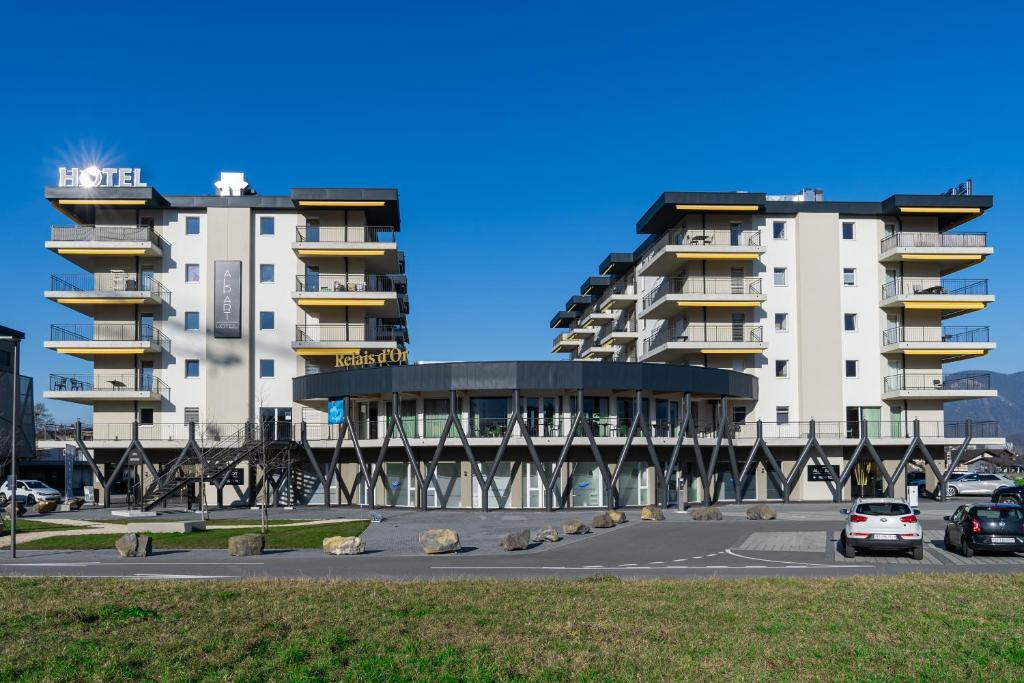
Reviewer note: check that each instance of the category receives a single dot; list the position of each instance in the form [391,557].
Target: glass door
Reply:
[533,486]
[738,320]
[447,477]
[399,484]
[498,494]
[146,327]
[736,275]
[312,283]
[587,490]
[312,229]
[146,376]
[735,230]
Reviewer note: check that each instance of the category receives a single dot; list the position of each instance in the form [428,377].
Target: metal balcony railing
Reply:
[932,286]
[914,382]
[953,240]
[705,285]
[107,282]
[351,332]
[106,233]
[944,334]
[370,233]
[108,382]
[716,238]
[324,282]
[111,332]
[706,333]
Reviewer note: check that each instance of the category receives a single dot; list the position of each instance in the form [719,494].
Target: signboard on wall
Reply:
[819,473]
[335,411]
[227,299]
[372,359]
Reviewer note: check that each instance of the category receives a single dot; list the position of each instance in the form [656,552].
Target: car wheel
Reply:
[30,500]
[918,553]
[965,548]
[1008,499]
[951,492]
[848,550]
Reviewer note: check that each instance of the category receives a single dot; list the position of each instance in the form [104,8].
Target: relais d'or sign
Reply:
[385,357]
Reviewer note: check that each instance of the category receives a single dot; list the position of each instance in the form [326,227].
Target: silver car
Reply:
[977,484]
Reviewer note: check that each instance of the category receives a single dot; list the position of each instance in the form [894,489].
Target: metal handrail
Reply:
[369,233]
[932,286]
[704,333]
[113,332]
[936,382]
[944,334]
[106,233]
[327,282]
[106,282]
[351,332]
[934,239]
[107,382]
[718,237]
[704,285]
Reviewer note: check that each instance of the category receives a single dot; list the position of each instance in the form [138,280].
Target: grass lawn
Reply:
[934,627]
[290,537]
[223,521]
[26,525]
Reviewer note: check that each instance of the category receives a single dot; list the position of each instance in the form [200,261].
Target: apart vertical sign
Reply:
[227,299]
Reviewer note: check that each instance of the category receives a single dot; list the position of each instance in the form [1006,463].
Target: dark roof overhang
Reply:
[594,285]
[578,302]
[670,207]
[616,263]
[80,204]
[380,204]
[564,318]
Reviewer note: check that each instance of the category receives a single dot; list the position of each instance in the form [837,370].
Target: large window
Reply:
[192,225]
[782,415]
[780,277]
[781,322]
[191,320]
[191,368]
[851,368]
[779,230]
[191,272]
[266,272]
[266,367]
[850,322]
[849,277]
[847,231]
[266,320]
[488,417]
[266,225]
[782,368]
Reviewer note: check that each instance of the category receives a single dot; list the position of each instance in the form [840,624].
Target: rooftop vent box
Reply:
[232,185]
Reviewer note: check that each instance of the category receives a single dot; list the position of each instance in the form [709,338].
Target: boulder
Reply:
[652,512]
[618,516]
[705,514]
[246,545]
[574,526]
[134,545]
[761,511]
[46,506]
[602,521]
[344,545]
[436,541]
[547,533]
[516,540]
[75,503]
[9,510]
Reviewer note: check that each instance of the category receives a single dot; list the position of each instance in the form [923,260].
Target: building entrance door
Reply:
[276,423]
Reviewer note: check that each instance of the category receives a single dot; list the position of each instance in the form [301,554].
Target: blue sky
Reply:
[525,138]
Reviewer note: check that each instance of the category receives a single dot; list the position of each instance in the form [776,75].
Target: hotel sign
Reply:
[227,299]
[369,360]
[93,176]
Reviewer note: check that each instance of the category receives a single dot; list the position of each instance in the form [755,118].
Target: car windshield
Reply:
[35,484]
[1011,514]
[883,509]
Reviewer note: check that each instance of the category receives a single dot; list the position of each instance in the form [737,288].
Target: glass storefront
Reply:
[587,489]
[448,480]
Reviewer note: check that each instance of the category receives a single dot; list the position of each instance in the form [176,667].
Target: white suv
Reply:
[882,524]
[30,492]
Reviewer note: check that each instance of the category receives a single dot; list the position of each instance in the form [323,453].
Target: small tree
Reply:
[43,416]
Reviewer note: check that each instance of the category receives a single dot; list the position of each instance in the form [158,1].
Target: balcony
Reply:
[84,243]
[592,349]
[951,297]
[666,345]
[951,251]
[384,293]
[701,292]
[701,245]
[937,387]
[619,296]
[106,339]
[90,389]
[376,242]
[85,291]
[947,343]
[622,332]
[346,339]
[564,344]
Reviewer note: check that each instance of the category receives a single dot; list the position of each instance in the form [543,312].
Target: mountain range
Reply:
[1007,408]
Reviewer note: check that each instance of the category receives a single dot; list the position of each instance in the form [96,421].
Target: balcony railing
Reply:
[623,324]
[107,382]
[961,240]
[323,282]
[107,282]
[706,333]
[979,382]
[94,233]
[108,332]
[704,285]
[375,233]
[353,333]
[944,335]
[715,238]
[933,286]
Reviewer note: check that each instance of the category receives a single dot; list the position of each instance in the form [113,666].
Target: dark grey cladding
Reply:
[527,376]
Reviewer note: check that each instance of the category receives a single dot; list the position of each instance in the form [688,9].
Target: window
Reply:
[191,272]
[847,231]
[266,225]
[779,230]
[266,367]
[849,277]
[782,415]
[780,277]
[266,272]
[851,368]
[191,320]
[850,322]
[192,225]
[781,322]
[145,416]
[191,415]
[739,414]
[782,368]
[266,320]
[191,368]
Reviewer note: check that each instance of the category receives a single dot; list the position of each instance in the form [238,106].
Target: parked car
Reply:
[997,527]
[882,524]
[1009,494]
[977,485]
[31,491]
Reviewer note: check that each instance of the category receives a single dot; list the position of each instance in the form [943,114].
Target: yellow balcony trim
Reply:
[102,202]
[717,255]
[318,202]
[327,352]
[942,257]
[717,207]
[134,351]
[101,252]
[341,252]
[72,301]
[730,351]
[938,209]
[608,269]
[719,304]
[945,352]
[341,302]
[944,305]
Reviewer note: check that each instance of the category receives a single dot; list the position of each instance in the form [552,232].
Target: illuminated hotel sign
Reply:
[93,176]
[369,360]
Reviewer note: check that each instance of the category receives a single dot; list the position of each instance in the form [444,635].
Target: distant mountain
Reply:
[1007,409]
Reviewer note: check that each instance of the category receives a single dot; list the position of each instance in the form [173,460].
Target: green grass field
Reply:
[913,627]
[27,525]
[289,537]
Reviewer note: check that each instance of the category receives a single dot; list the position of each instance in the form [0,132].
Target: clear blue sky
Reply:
[525,138]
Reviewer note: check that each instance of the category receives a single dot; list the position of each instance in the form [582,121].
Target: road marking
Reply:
[628,564]
[765,559]
[658,562]
[594,566]
[50,564]
[681,559]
